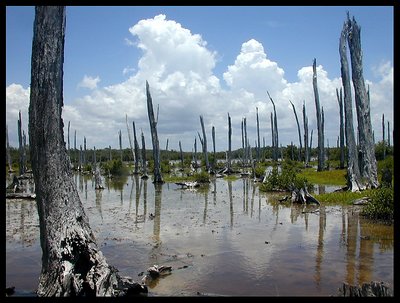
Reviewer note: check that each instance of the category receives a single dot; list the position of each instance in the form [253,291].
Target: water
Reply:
[224,239]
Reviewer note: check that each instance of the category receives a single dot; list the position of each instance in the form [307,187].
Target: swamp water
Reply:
[224,239]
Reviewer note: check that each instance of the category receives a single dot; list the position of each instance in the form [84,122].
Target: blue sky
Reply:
[102,70]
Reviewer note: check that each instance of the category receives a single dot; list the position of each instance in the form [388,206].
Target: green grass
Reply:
[231,178]
[327,177]
[343,197]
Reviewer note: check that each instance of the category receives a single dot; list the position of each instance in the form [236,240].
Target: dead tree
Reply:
[120,143]
[130,138]
[383,135]
[353,172]
[203,142]
[258,136]
[298,129]
[8,152]
[321,152]
[242,126]
[229,156]
[195,154]
[84,152]
[154,137]
[388,133]
[75,150]
[339,96]
[275,131]
[273,138]
[144,164]
[306,149]
[368,168]
[136,144]
[21,147]
[214,153]
[181,154]
[246,144]
[69,150]
[72,264]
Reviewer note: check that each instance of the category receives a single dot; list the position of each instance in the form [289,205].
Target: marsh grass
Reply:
[326,177]
[342,197]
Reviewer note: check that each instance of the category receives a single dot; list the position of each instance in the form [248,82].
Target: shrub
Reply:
[381,205]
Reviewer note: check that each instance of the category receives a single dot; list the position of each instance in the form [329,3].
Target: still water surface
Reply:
[225,239]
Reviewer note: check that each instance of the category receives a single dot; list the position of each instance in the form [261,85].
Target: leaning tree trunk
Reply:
[204,143]
[353,172]
[72,264]
[368,166]
[130,140]
[154,138]
[341,129]
[298,129]
[319,120]
[275,132]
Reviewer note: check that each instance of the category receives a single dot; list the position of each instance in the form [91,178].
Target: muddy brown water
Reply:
[224,239]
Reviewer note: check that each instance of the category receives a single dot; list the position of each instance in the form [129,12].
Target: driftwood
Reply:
[303,196]
[373,289]
[20,196]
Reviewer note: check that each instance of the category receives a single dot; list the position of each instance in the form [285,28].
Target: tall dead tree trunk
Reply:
[275,133]
[75,151]
[120,143]
[144,164]
[368,168]
[229,164]
[72,264]
[298,129]
[383,136]
[130,139]
[8,152]
[181,154]
[305,122]
[214,153]
[242,126]
[353,172]
[154,137]
[204,143]
[388,133]
[137,149]
[21,147]
[273,137]
[84,152]
[258,136]
[246,142]
[321,159]
[69,150]
[339,96]
[195,154]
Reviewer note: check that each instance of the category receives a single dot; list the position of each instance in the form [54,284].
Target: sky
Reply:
[209,61]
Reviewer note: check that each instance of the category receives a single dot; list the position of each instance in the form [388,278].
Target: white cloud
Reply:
[179,68]
[89,82]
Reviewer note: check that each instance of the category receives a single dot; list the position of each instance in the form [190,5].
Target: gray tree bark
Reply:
[204,143]
[306,149]
[368,168]
[229,164]
[144,165]
[130,139]
[137,149]
[69,150]
[8,151]
[120,143]
[72,264]
[258,136]
[273,138]
[21,147]
[339,96]
[321,159]
[84,152]
[75,151]
[353,172]
[275,132]
[214,153]
[298,129]
[154,138]
[181,154]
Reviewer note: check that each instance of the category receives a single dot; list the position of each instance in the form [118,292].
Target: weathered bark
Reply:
[341,129]
[154,138]
[321,159]
[21,147]
[242,126]
[69,149]
[72,264]
[373,289]
[195,153]
[8,151]
[383,136]
[204,143]
[136,144]
[273,137]
[298,129]
[275,133]
[130,139]
[214,153]
[368,168]
[306,149]
[353,172]
[258,136]
[246,144]
[229,155]
[144,165]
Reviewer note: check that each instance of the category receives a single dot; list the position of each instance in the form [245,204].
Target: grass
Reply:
[327,177]
[343,197]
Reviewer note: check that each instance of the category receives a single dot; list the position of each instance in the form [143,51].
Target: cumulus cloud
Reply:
[179,68]
[89,82]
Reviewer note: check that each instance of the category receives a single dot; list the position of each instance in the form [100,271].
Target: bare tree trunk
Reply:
[368,166]
[84,152]
[273,138]
[21,147]
[275,132]
[229,168]
[388,132]
[204,143]
[72,264]
[242,126]
[383,134]
[154,137]
[195,153]
[69,150]
[181,154]
[306,149]
[319,120]
[214,153]
[246,144]
[75,151]
[353,172]
[8,152]
[309,155]
[258,136]
[136,144]
[144,165]
[120,143]
[341,129]
[130,138]
[298,129]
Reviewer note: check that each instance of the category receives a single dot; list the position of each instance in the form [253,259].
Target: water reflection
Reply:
[279,249]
